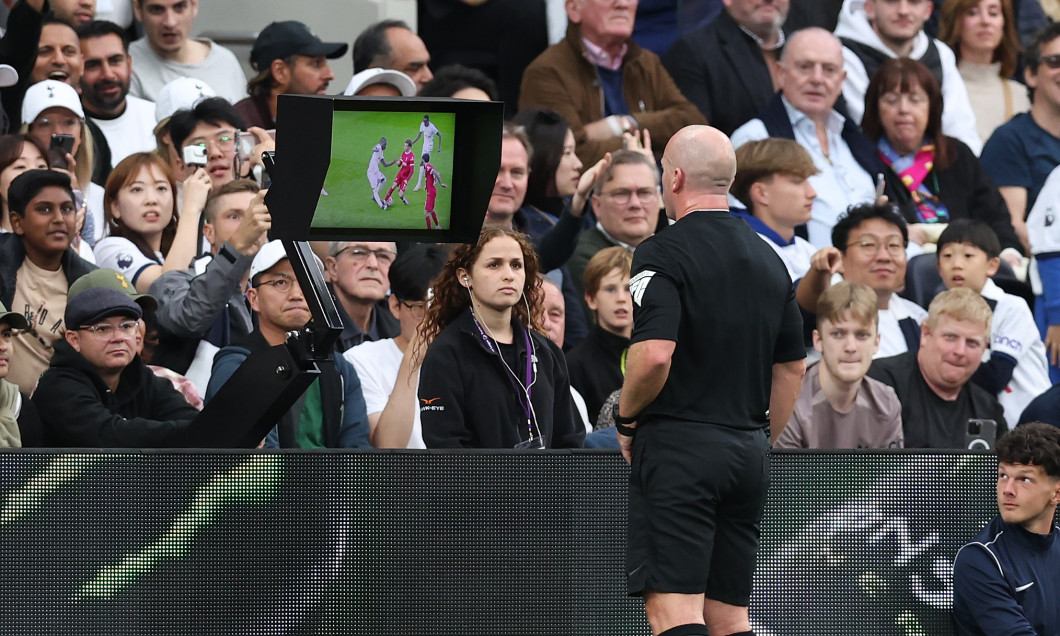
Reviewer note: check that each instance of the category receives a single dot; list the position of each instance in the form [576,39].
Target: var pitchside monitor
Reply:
[400,169]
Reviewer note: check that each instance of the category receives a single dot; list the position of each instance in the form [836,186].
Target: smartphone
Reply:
[195,156]
[879,185]
[268,159]
[60,146]
[981,434]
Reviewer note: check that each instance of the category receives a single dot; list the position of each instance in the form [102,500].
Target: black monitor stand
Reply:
[269,382]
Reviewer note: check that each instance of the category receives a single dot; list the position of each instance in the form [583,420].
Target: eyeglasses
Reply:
[282,284]
[225,140]
[894,98]
[418,309]
[1052,61]
[360,254]
[622,197]
[894,247]
[104,330]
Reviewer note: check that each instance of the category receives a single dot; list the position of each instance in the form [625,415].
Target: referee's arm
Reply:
[787,382]
[647,367]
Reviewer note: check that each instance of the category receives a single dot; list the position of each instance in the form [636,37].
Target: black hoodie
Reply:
[78,409]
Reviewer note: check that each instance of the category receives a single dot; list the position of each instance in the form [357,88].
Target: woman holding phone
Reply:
[52,109]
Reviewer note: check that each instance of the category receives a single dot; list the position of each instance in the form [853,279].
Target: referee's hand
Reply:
[625,444]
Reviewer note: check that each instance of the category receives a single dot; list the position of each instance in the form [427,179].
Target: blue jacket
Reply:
[1007,581]
[344,418]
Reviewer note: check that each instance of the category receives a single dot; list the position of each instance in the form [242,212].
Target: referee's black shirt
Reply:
[713,286]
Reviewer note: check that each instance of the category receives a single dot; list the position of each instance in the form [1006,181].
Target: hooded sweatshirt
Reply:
[144,412]
[958,119]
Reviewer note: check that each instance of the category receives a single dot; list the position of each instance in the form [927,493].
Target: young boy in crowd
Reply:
[1016,369]
[596,364]
[37,267]
[838,407]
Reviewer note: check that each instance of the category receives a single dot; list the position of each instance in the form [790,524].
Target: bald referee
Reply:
[717,355]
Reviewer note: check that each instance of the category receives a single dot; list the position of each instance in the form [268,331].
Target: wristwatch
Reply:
[621,423]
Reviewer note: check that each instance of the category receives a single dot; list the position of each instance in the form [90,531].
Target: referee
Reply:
[694,419]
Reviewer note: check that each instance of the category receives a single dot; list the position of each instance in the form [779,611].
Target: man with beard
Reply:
[126,121]
[59,58]
[290,60]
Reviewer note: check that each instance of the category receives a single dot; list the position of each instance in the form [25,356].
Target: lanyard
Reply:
[522,393]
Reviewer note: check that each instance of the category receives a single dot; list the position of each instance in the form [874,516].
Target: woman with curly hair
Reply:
[489,378]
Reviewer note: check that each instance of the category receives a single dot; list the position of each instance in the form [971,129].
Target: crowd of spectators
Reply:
[882,147]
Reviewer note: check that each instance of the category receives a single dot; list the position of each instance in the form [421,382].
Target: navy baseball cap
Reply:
[96,303]
[281,40]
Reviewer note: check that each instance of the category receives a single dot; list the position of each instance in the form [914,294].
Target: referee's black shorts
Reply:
[696,495]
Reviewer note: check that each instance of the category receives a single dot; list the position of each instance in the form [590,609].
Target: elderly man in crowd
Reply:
[603,84]
[811,80]
[391,44]
[728,67]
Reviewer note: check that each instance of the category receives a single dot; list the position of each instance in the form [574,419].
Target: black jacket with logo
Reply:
[468,399]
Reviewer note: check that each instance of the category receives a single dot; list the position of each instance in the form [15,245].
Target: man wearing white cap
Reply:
[331,413]
[290,60]
[126,121]
[381,82]
[167,52]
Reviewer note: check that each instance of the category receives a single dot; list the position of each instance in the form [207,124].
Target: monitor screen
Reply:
[388,170]
[380,168]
